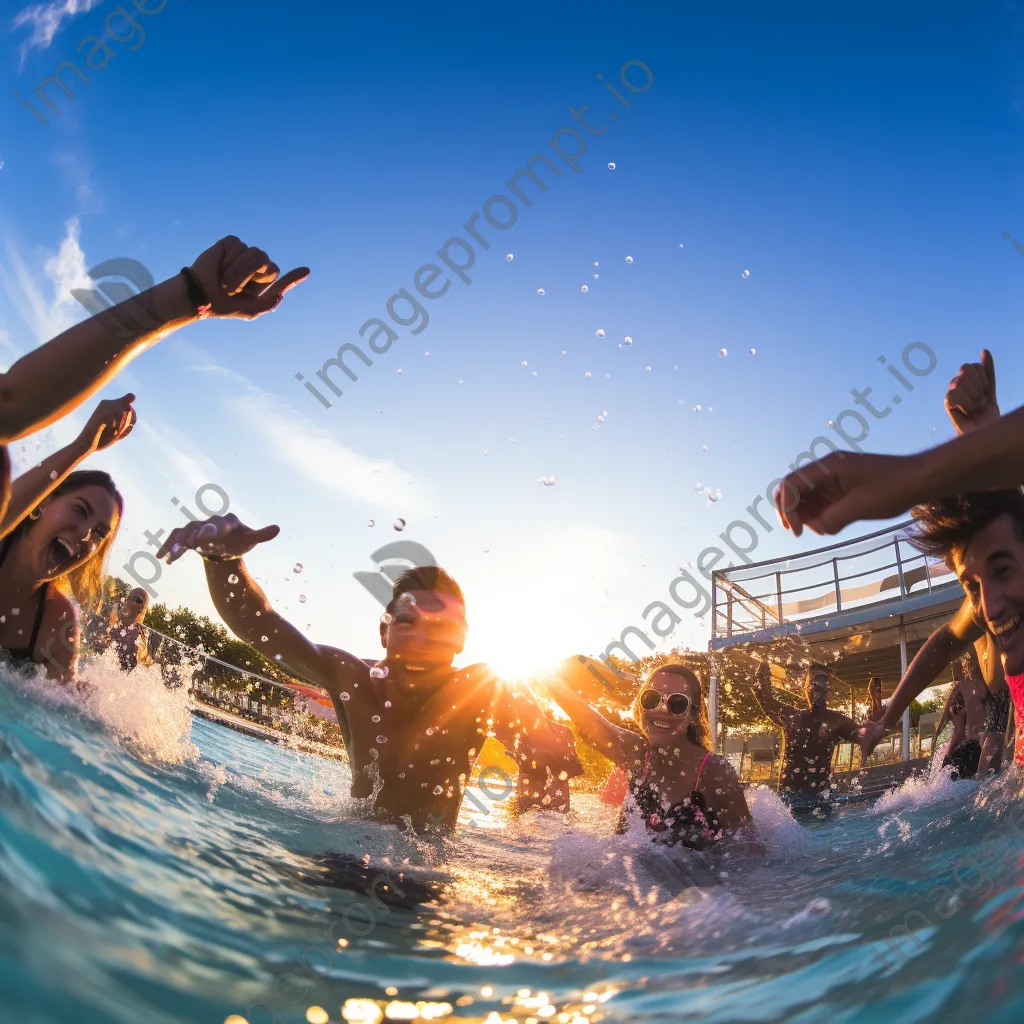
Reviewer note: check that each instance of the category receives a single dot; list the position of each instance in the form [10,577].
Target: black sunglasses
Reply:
[820,679]
[677,703]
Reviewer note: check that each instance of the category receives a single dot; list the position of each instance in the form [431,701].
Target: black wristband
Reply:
[197,297]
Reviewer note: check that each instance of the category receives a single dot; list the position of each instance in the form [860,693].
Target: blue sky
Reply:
[862,164]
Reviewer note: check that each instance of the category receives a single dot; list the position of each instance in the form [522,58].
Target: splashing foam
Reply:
[137,708]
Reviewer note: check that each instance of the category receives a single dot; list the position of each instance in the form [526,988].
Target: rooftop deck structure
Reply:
[863,606]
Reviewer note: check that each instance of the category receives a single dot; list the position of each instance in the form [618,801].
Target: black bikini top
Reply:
[688,821]
[24,654]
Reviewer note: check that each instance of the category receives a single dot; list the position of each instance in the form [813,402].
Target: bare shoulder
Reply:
[58,610]
[339,668]
[720,769]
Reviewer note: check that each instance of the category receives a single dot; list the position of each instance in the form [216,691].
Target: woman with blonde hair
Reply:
[54,554]
[681,791]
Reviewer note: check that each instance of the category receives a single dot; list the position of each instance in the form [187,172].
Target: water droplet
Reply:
[584,289]
[596,264]
[723,352]
[563,352]
[438,790]
[509,257]
[547,481]
[648,370]
[629,259]
[232,578]
[370,523]
[681,246]
[302,598]
[599,332]
[297,567]
[399,525]
[277,657]
[696,408]
[831,423]
[611,167]
[263,638]
[587,375]
[387,703]
[345,696]
[460,380]
[486,452]
[53,472]
[703,447]
[534,374]
[540,291]
[399,370]
[745,274]
[752,351]
[523,363]
[698,487]
[627,340]
[382,739]
[714,495]
[375,718]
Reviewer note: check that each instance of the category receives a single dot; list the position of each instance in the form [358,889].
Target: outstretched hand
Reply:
[112,421]
[223,538]
[868,736]
[843,488]
[241,281]
[971,398]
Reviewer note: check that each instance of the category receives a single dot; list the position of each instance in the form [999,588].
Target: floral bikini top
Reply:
[689,821]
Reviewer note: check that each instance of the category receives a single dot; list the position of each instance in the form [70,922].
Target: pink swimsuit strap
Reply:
[700,771]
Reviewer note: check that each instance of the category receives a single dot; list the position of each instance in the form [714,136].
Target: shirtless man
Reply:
[971,405]
[809,738]
[965,708]
[413,724]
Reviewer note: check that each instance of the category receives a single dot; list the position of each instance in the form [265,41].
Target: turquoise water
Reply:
[153,868]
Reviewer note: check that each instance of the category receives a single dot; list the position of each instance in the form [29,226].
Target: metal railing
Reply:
[880,567]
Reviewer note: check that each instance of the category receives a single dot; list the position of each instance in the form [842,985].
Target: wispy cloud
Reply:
[46,20]
[316,455]
[47,315]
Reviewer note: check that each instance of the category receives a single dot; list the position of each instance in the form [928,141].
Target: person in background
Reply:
[127,635]
[965,708]
[681,792]
[230,279]
[413,724]
[810,737]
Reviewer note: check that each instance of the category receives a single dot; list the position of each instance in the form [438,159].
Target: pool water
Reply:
[156,867]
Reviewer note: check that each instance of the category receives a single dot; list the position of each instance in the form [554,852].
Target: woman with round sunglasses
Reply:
[680,790]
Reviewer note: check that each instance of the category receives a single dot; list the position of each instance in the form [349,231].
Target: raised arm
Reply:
[946,643]
[222,541]
[778,712]
[235,280]
[111,421]
[622,746]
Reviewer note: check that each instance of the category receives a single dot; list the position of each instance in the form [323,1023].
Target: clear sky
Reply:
[862,163]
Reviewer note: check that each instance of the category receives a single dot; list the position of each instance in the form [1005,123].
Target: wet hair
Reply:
[698,731]
[944,528]
[85,582]
[425,577]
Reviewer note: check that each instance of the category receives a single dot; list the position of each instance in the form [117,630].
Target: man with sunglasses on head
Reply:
[810,738]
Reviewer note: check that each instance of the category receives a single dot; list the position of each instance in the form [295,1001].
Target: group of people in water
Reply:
[414,724]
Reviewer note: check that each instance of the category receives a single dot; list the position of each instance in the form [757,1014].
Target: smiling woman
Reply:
[55,553]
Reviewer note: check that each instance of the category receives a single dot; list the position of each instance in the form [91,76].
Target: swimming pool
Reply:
[155,867]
